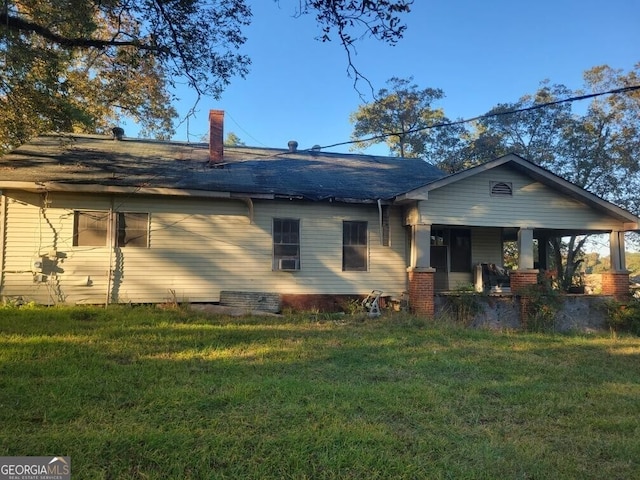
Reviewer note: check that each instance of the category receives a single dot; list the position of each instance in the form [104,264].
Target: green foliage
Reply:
[233,140]
[463,304]
[353,306]
[542,302]
[598,150]
[55,71]
[595,263]
[402,109]
[632,261]
[510,254]
[81,65]
[19,302]
[568,259]
[624,316]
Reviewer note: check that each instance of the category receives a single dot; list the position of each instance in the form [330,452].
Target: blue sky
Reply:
[479,53]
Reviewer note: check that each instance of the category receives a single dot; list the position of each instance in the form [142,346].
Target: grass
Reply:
[156,394]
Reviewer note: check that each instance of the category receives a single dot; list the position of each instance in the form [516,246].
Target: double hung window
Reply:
[354,246]
[286,244]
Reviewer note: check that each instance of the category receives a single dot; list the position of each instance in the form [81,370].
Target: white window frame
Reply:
[111,233]
[351,246]
[286,244]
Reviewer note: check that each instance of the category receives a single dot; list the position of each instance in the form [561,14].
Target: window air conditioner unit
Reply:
[288,264]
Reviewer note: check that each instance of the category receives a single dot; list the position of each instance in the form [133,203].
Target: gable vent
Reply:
[501,189]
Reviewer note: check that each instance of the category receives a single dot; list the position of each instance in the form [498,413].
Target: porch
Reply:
[502,261]
[465,218]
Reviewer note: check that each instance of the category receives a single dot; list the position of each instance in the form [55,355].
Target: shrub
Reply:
[624,316]
[543,303]
[464,304]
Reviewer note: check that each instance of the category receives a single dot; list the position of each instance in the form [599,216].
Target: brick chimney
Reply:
[216,127]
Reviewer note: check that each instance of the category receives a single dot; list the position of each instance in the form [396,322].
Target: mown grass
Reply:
[150,394]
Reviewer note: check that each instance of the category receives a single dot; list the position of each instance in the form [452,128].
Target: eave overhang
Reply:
[42,187]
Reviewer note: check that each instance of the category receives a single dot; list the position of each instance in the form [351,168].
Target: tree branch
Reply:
[178,44]
[20,25]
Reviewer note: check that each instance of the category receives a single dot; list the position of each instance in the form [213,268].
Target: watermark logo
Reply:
[35,468]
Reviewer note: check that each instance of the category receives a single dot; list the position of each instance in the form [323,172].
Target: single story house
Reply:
[88,219]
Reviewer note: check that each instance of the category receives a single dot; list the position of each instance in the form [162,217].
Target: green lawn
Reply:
[156,394]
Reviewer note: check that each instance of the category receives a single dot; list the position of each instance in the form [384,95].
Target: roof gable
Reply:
[532,170]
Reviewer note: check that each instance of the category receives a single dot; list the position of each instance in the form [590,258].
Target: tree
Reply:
[603,146]
[400,117]
[519,127]
[82,64]
[598,150]
[233,140]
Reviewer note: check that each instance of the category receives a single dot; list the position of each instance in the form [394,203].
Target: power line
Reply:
[622,90]
[245,131]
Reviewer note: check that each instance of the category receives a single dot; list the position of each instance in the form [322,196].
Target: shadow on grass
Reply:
[141,393]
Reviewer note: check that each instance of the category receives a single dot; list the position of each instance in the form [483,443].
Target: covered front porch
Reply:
[499,261]
[487,259]
[466,219]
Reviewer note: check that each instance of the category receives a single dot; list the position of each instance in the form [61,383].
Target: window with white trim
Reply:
[133,229]
[91,228]
[355,247]
[286,244]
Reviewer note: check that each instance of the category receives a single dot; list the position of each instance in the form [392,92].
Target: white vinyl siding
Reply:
[33,233]
[197,248]
[321,250]
[458,280]
[469,202]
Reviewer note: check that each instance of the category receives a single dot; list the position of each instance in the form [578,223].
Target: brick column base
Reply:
[421,291]
[520,280]
[616,284]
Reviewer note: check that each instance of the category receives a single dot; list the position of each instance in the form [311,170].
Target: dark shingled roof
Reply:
[313,175]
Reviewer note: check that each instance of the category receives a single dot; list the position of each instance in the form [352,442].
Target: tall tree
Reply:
[400,117]
[81,63]
[521,128]
[598,150]
[602,149]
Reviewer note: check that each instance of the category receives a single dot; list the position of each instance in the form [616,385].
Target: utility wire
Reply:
[621,90]
[246,132]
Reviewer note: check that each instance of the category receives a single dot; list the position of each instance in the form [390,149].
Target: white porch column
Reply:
[525,249]
[421,246]
[617,255]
